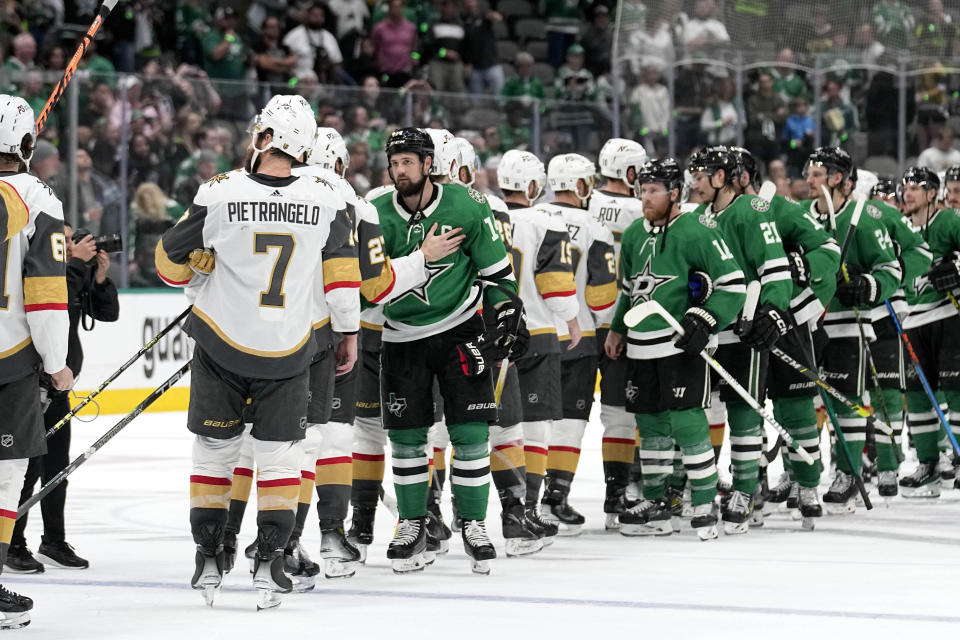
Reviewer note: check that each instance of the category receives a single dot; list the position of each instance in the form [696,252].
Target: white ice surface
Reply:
[888,573]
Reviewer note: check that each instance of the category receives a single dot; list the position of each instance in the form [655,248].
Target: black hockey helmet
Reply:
[923,176]
[749,164]
[835,160]
[953,174]
[886,186]
[665,170]
[712,159]
[410,140]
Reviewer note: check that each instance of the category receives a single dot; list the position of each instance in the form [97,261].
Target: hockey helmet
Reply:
[922,176]
[713,159]
[749,164]
[446,154]
[884,188]
[517,169]
[410,140]
[16,125]
[328,147]
[566,169]
[618,155]
[665,171]
[469,160]
[952,174]
[834,160]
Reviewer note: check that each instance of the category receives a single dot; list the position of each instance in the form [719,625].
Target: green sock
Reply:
[410,470]
[692,432]
[470,471]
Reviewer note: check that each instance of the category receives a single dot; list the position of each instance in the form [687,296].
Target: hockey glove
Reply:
[202,261]
[861,291]
[512,336]
[700,285]
[769,324]
[799,268]
[474,356]
[697,324]
[945,275]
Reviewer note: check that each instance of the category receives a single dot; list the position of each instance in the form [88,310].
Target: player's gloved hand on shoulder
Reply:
[698,325]
[861,291]
[700,286]
[945,275]
[202,261]
[799,268]
[769,324]
[512,336]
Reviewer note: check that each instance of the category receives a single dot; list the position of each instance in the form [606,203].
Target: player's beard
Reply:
[657,216]
[409,187]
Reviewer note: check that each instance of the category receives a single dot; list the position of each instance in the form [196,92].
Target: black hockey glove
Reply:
[512,336]
[769,324]
[476,356]
[700,285]
[945,275]
[861,291]
[799,268]
[697,324]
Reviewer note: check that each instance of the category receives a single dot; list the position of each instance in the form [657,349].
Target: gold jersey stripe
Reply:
[15,348]
[554,283]
[44,290]
[168,269]
[341,272]
[601,296]
[18,215]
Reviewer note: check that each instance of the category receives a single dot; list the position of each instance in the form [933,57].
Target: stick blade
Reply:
[753,298]
[767,191]
[644,310]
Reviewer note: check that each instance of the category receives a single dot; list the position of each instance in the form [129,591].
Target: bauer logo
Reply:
[6,440]
[480,406]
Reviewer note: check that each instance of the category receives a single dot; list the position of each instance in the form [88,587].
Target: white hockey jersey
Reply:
[616,212]
[34,323]
[595,273]
[541,254]
[254,315]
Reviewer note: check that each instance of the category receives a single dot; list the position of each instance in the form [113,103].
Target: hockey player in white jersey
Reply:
[595,271]
[616,206]
[252,324]
[33,320]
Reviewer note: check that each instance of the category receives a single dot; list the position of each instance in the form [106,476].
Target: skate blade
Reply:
[707,533]
[569,530]
[548,541]
[795,514]
[735,528]
[429,557]
[686,513]
[228,561]
[929,491]
[14,620]
[251,563]
[302,583]
[517,547]
[653,528]
[756,520]
[841,508]
[210,594]
[339,568]
[408,565]
[456,526]
[611,523]
[481,567]
[444,547]
[808,524]
[268,599]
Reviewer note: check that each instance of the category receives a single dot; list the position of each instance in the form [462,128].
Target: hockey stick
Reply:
[842,445]
[923,379]
[767,191]
[61,86]
[505,363]
[116,374]
[652,307]
[96,446]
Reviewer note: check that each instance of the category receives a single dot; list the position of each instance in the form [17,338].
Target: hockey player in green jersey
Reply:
[934,330]
[681,261]
[814,257]
[435,332]
[874,276]
[751,233]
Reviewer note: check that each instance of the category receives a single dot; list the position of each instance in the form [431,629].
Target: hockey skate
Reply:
[408,545]
[647,518]
[519,539]
[543,528]
[614,504]
[229,550]
[924,482]
[841,497]
[250,553]
[438,529]
[456,523]
[361,529]
[778,494]
[756,517]
[477,545]
[809,507]
[340,558]
[268,577]
[557,510]
[724,489]
[736,513]
[14,609]
[704,520]
[298,566]
[887,485]
[208,575]
[674,499]
[948,468]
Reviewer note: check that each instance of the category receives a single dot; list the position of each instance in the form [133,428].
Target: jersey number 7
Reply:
[274,296]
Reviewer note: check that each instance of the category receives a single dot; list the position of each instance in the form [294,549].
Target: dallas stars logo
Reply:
[433,271]
[646,282]
[396,405]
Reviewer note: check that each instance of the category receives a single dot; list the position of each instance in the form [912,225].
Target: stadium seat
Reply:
[538,49]
[530,29]
[515,9]
[882,165]
[501,31]
[506,50]
[545,72]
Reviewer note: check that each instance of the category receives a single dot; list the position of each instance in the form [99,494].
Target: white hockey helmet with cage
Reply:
[328,147]
[618,155]
[468,160]
[292,123]
[566,169]
[16,123]
[518,169]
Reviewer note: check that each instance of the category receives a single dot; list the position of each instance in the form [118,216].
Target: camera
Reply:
[112,243]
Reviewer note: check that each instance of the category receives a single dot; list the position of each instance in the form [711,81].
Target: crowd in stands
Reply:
[168,88]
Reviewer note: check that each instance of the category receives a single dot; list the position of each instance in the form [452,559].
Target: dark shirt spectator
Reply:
[274,60]
[597,41]
[444,41]
[766,113]
[480,49]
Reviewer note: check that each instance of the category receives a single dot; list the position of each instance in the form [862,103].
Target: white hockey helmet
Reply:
[618,155]
[17,122]
[518,169]
[446,155]
[293,124]
[468,159]
[566,169]
[328,147]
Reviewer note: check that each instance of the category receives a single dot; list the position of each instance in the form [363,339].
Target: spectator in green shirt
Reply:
[22,60]
[524,84]
[787,83]
[225,58]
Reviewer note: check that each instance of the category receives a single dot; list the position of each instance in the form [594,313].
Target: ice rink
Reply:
[892,572]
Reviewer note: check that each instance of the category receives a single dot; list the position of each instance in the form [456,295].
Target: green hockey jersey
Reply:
[751,233]
[911,251]
[942,234]
[655,264]
[451,293]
